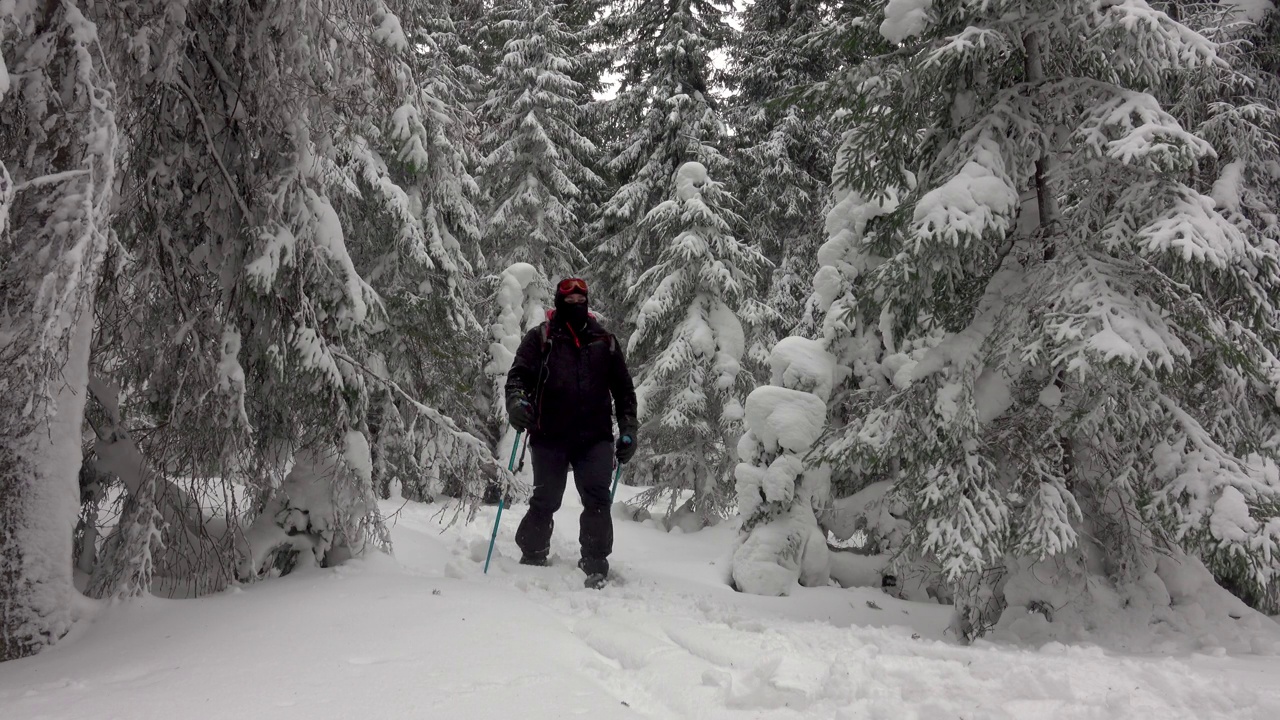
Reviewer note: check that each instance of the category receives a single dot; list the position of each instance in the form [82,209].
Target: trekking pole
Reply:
[616,474]
[502,502]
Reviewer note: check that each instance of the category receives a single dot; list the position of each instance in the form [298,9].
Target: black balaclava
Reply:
[573,314]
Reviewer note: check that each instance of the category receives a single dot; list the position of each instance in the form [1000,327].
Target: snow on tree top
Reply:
[690,179]
[391,33]
[904,19]
[785,418]
[523,272]
[799,363]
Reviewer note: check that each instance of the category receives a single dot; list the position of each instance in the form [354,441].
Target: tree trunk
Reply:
[39,505]
[57,167]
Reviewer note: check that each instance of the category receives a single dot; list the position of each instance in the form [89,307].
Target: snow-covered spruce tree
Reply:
[688,347]
[443,65]
[1050,323]
[58,155]
[662,117]
[781,489]
[431,300]
[537,163]
[294,225]
[784,147]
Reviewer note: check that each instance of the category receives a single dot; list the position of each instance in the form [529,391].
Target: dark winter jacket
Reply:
[571,383]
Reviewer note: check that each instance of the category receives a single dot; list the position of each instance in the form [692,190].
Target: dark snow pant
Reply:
[592,465]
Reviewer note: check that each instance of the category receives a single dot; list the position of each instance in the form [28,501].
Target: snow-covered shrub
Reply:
[125,566]
[1173,605]
[781,490]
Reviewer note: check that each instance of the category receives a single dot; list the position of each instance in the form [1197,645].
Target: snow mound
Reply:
[1174,607]
[317,510]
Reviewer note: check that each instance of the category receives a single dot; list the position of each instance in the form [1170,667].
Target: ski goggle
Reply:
[572,285]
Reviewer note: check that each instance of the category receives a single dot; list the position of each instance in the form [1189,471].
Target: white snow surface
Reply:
[426,635]
[4,77]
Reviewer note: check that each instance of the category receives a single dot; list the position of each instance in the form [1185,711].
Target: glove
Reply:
[625,448]
[520,413]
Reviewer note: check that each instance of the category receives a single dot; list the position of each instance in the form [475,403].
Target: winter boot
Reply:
[535,559]
[597,571]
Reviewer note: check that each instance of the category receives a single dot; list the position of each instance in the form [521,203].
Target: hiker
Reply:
[559,389]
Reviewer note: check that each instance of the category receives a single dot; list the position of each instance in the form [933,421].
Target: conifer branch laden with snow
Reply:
[784,150]
[689,343]
[1043,306]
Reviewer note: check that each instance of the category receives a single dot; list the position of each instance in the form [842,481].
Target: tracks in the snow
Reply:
[684,668]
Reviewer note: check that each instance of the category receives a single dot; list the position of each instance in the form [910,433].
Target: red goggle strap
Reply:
[571,284]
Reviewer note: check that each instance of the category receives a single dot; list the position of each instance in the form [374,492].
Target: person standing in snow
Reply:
[559,388]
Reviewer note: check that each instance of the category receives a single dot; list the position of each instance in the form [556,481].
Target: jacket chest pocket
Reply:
[580,371]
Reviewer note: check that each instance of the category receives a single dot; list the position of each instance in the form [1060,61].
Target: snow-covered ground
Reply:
[427,635]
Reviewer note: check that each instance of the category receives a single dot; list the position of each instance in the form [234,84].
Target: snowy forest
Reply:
[940,297]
